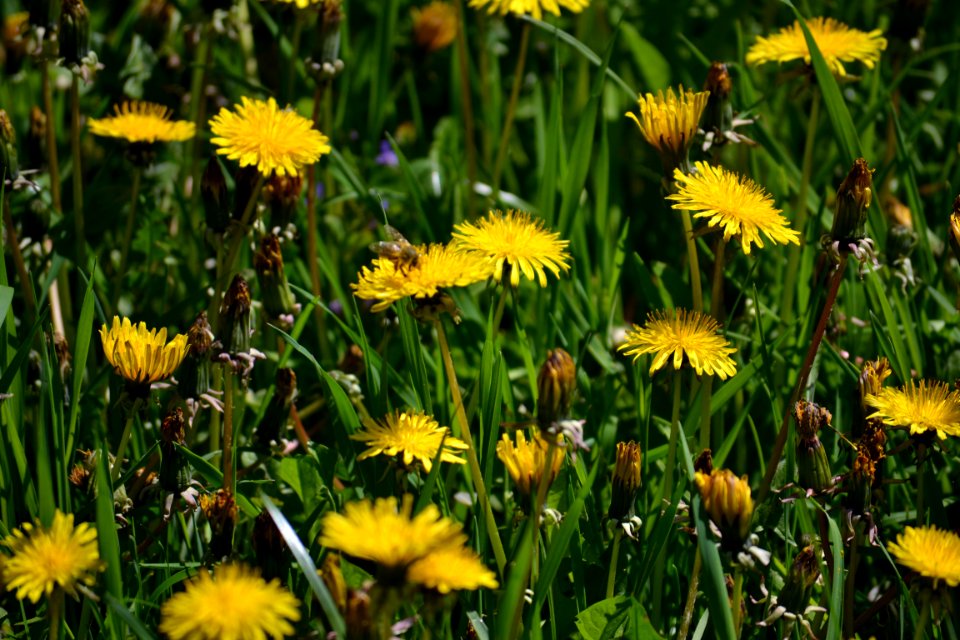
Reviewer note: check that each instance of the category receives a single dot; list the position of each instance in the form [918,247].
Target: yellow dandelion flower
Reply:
[435,25]
[415,435]
[734,203]
[534,8]
[726,498]
[142,122]
[390,536]
[837,42]
[140,355]
[261,134]
[305,4]
[682,334]
[670,121]
[517,240]
[929,406]
[932,553]
[62,556]
[526,462]
[451,569]
[234,604]
[436,267]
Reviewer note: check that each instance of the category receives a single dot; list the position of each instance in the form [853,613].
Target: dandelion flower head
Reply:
[932,553]
[454,568]
[435,25]
[927,407]
[533,8]
[261,134]
[140,355]
[670,121]
[43,559]
[735,204]
[682,335]
[837,42]
[517,240]
[234,604]
[526,461]
[142,122]
[414,435]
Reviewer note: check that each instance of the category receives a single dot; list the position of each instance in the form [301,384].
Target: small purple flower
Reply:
[387,157]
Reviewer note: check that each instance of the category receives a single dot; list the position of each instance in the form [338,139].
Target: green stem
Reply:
[53,165]
[128,232]
[614,557]
[197,116]
[29,298]
[472,461]
[78,223]
[501,304]
[716,309]
[467,105]
[695,284]
[228,473]
[800,224]
[511,110]
[55,612]
[691,598]
[737,600]
[236,242]
[294,52]
[312,226]
[924,620]
[921,484]
[124,441]
[667,492]
[849,586]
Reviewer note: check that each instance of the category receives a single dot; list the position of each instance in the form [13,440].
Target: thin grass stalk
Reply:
[225,270]
[614,557]
[815,341]
[795,250]
[511,110]
[716,308]
[128,232]
[468,124]
[498,314]
[849,585]
[312,226]
[688,608]
[228,469]
[472,462]
[124,441]
[667,492]
[197,116]
[294,52]
[53,165]
[924,621]
[737,600]
[79,228]
[29,298]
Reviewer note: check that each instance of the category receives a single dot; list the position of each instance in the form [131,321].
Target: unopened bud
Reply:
[332,577]
[236,317]
[718,115]
[221,512]
[35,144]
[282,194]
[853,202]
[213,191]
[174,470]
[269,547]
[194,372]
[800,580]
[954,228]
[276,295]
[626,481]
[74,32]
[556,384]
[435,26]
[277,415]
[9,163]
[859,482]
[727,500]
[812,463]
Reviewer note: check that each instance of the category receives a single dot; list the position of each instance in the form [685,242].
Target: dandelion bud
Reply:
[718,116]
[74,32]
[9,164]
[236,318]
[727,500]
[174,471]
[278,300]
[195,370]
[277,415]
[282,194]
[332,577]
[527,463]
[803,575]
[812,463]
[853,203]
[704,462]
[954,229]
[859,489]
[269,547]
[556,384]
[435,26]
[36,140]
[13,43]
[626,481]
[213,191]
[221,512]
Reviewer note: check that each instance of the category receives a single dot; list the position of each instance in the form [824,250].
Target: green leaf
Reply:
[614,618]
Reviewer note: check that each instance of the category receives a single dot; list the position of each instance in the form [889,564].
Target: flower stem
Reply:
[921,485]
[695,284]
[737,600]
[78,224]
[667,489]
[498,314]
[614,557]
[294,52]
[124,441]
[850,584]
[511,110]
[53,166]
[228,474]
[815,341]
[128,232]
[312,227]
[467,105]
[29,298]
[924,620]
[716,309]
[225,270]
[691,598]
[472,461]
[55,612]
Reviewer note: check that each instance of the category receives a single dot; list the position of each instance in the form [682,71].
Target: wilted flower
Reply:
[556,385]
[626,481]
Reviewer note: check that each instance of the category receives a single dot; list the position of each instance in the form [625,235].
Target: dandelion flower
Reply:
[734,203]
[142,122]
[451,569]
[534,8]
[837,42]
[927,407]
[415,435]
[435,25]
[682,335]
[437,267]
[62,556]
[526,462]
[670,121]
[932,553]
[234,604]
[392,537]
[305,4]
[140,355]
[515,239]
[261,134]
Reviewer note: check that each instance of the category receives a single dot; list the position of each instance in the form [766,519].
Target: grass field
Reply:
[479,319]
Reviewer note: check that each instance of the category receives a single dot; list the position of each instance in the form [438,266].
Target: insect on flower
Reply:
[397,249]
